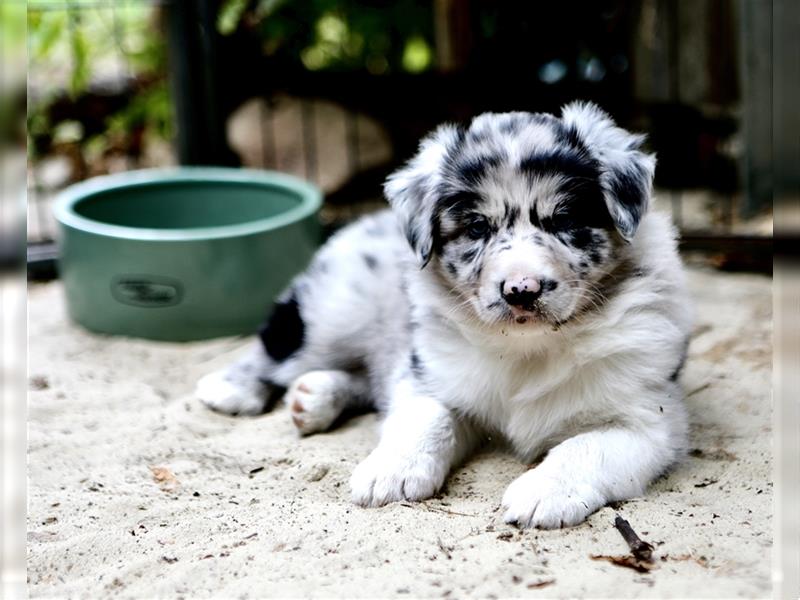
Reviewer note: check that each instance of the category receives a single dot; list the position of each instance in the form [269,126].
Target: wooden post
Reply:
[755,26]
[193,68]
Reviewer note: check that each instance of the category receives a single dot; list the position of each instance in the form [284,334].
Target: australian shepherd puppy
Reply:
[518,288]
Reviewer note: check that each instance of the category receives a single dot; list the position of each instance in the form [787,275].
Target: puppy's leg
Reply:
[248,386]
[317,398]
[421,440]
[239,388]
[585,472]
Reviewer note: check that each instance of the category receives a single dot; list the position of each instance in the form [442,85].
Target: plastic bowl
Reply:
[183,254]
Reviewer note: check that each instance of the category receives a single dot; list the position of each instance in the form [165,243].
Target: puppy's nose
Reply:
[521,291]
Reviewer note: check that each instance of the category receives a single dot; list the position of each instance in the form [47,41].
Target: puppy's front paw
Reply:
[386,476]
[222,395]
[537,499]
[313,401]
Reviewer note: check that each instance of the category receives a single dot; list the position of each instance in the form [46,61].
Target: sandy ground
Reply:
[137,491]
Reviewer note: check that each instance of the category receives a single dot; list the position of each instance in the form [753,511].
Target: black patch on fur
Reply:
[284,331]
[473,170]
[458,205]
[477,136]
[562,162]
[416,364]
[469,255]
[512,214]
[476,274]
[413,228]
[451,268]
[580,172]
[581,238]
[372,262]
[545,223]
[548,285]
[629,187]
[413,236]
[454,148]
[681,363]
[513,124]
[568,135]
[534,218]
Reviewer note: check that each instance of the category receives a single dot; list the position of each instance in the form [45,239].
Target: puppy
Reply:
[518,288]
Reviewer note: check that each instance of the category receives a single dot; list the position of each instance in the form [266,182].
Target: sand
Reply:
[136,491]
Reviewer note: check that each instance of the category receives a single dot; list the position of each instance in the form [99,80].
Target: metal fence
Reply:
[346,130]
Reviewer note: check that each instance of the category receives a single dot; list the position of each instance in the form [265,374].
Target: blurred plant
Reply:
[97,81]
[337,35]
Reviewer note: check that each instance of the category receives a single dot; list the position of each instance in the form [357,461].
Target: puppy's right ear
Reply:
[412,191]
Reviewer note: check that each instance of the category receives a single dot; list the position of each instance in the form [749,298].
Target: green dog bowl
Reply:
[183,254]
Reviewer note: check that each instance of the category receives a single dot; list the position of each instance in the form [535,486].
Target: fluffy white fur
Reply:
[582,378]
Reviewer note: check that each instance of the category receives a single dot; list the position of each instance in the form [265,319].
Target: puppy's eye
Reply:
[562,222]
[478,227]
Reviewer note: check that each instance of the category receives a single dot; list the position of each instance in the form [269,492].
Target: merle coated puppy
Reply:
[518,288]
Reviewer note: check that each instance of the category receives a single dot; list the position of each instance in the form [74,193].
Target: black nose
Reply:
[521,293]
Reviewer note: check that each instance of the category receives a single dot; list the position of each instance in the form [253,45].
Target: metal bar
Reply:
[756,34]
[674,61]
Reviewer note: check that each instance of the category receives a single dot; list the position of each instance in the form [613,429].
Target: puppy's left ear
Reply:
[626,172]
[412,191]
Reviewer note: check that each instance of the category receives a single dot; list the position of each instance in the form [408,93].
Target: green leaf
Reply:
[45,29]
[230,13]
[80,62]
[268,7]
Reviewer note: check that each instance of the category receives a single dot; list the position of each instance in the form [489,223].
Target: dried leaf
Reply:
[627,560]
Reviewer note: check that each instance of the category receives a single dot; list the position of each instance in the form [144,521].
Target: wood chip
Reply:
[164,477]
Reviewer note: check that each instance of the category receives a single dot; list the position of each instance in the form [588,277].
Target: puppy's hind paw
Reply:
[314,401]
[222,395]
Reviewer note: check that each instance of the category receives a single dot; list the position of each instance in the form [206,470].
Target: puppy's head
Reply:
[520,215]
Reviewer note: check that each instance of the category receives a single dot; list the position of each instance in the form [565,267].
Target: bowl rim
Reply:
[65,213]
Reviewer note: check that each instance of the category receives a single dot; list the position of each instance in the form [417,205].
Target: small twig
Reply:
[697,390]
[640,549]
[445,549]
[705,483]
[446,511]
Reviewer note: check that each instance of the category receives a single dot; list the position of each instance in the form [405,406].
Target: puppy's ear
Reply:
[412,191]
[626,173]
